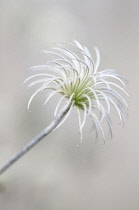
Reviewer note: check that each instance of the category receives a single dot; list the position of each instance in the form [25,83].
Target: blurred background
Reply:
[56,174]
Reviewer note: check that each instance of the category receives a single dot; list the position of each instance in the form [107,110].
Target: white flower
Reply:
[75,76]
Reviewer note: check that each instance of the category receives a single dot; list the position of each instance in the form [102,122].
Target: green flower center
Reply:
[81,90]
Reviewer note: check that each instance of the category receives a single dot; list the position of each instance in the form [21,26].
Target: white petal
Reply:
[68,113]
[84,118]
[89,102]
[69,101]
[79,119]
[31,98]
[105,98]
[39,75]
[99,125]
[98,59]
[50,96]
[56,109]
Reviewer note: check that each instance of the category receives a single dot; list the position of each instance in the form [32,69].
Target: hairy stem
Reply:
[35,140]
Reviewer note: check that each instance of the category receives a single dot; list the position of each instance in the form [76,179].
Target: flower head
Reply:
[74,75]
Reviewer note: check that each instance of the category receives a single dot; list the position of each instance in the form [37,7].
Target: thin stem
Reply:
[34,141]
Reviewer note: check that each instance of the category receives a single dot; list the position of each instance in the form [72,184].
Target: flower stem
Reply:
[35,140]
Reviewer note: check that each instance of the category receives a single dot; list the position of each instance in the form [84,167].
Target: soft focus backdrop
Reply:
[56,174]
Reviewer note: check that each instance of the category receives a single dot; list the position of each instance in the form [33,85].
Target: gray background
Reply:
[57,174]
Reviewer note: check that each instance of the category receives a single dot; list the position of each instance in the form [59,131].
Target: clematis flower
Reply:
[76,77]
